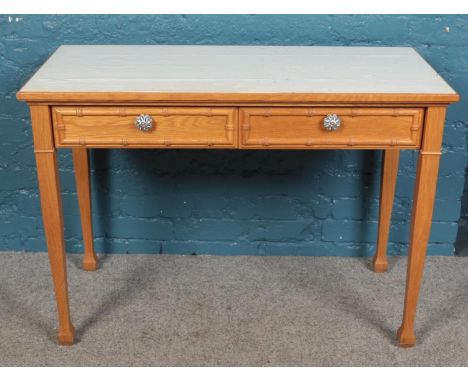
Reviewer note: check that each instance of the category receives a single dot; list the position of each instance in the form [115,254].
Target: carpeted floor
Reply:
[164,310]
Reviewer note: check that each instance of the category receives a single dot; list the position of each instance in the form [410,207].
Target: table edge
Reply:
[133,97]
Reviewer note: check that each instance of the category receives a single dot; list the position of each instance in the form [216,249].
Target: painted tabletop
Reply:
[236,69]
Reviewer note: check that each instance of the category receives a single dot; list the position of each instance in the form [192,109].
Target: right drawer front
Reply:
[282,127]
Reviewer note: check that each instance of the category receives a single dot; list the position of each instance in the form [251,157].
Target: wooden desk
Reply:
[235,97]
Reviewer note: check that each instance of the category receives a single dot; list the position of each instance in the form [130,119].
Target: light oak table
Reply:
[237,97]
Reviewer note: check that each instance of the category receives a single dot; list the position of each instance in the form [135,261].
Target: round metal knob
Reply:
[331,122]
[144,122]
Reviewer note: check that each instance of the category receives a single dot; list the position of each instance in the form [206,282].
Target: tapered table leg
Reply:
[423,203]
[51,203]
[81,164]
[387,194]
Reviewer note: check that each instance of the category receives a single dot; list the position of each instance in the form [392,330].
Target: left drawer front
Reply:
[190,127]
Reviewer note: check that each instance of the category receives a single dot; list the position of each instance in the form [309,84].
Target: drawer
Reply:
[185,127]
[282,127]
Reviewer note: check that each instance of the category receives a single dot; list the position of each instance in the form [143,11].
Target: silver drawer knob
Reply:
[144,122]
[331,122]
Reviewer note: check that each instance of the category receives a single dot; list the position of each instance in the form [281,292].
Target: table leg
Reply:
[81,165]
[387,194]
[423,203]
[51,203]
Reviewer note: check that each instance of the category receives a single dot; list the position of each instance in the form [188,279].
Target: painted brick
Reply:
[450,187]
[295,249]
[285,231]
[355,250]
[452,163]
[399,232]
[321,207]
[341,185]
[440,249]
[441,232]
[446,210]
[273,207]
[454,134]
[349,231]
[149,206]
[228,202]
[405,185]
[135,228]
[209,229]
[228,248]
[355,209]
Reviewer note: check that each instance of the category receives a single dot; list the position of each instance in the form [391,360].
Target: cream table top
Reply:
[236,69]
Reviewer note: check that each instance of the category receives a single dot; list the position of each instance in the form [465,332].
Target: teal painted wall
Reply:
[222,202]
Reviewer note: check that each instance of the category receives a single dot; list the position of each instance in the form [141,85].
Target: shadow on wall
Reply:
[461,244]
[231,202]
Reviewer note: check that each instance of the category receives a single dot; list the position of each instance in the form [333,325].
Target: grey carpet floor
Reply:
[160,310]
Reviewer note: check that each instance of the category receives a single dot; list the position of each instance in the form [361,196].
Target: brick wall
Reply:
[222,202]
